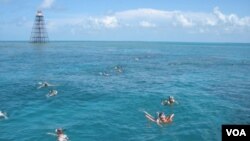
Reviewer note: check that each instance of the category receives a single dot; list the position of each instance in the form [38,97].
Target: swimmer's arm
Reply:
[5,117]
[158,122]
[53,134]
[39,87]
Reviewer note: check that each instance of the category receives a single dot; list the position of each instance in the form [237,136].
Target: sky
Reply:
[129,20]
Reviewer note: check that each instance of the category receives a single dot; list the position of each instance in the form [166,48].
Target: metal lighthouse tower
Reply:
[39,33]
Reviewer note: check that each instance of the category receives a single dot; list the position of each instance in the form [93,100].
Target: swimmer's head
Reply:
[59,131]
[161,114]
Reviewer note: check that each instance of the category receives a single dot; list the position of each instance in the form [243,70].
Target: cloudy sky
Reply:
[129,20]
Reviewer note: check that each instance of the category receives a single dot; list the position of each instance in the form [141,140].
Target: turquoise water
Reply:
[211,82]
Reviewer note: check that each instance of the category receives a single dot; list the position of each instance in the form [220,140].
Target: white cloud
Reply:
[146,24]
[156,16]
[144,13]
[184,21]
[210,21]
[197,22]
[107,22]
[220,15]
[232,19]
[46,4]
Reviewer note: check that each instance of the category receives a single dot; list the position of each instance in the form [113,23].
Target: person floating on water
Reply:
[119,69]
[52,93]
[60,135]
[3,115]
[44,84]
[169,101]
[161,118]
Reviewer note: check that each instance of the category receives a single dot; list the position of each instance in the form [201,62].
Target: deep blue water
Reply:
[211,82]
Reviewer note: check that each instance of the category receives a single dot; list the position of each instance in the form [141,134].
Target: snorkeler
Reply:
[44,84]
[161,118]
[119,69]
[3,114]
[52,93]
[60,135]
[169,101]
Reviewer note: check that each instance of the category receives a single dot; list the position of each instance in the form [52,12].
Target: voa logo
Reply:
[236,132]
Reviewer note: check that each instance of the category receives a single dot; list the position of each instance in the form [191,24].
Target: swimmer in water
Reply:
[3,114]
[163,119]
[169,101]
[44,84]
[60,135]
[52,93]
[119,69]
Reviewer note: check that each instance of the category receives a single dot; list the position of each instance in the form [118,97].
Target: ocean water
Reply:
[211,83]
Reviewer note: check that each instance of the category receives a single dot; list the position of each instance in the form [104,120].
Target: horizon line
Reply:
[212,42]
